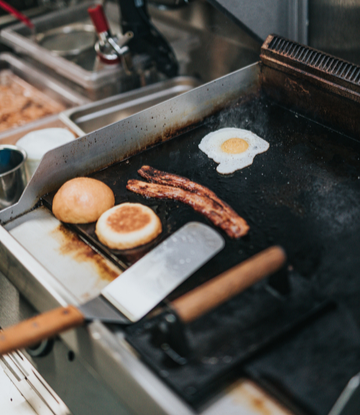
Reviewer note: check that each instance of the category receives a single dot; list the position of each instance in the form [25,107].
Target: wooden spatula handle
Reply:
[211,294]
[41,327]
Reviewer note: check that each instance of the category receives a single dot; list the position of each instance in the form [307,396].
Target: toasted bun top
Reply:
[128,225]
[82,200]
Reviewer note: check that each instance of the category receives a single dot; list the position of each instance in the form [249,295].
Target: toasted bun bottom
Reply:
[82,200]
[127,226]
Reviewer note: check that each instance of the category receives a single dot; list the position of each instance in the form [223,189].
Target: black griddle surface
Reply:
[303,194]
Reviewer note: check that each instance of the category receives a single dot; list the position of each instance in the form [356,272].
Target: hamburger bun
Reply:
[82,200]
[127,226]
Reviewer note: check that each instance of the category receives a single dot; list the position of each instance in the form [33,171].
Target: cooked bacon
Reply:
[205,205]
[169,179]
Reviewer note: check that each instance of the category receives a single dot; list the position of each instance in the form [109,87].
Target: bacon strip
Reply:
[170,179]
[206,206]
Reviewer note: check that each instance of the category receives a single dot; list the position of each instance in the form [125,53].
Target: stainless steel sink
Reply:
[206,43]
[91,117]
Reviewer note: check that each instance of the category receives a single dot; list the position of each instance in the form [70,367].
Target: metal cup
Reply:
[13,177]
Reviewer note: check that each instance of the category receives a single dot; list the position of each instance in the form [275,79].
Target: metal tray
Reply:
[13,135]
[41,81]
[96,115]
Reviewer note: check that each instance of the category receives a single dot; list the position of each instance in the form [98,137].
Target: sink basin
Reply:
[206,43]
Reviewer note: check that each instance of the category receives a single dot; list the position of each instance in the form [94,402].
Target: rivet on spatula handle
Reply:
[38,328]
[215,292]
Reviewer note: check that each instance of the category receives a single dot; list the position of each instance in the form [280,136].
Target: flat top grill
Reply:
[297,331]
[304,194]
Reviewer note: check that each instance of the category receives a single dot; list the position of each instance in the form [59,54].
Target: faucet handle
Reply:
[99,20]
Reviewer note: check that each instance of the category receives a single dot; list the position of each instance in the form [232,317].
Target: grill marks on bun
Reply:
[82,200]
[127,226]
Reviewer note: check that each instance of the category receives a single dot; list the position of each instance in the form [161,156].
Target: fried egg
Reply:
[233,148]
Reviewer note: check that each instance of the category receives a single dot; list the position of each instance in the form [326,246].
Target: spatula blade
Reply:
[100,309]
[140,288]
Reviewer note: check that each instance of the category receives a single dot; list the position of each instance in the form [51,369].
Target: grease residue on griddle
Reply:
[72,245]
[246,395]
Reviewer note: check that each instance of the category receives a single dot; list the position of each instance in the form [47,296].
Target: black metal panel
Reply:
[316,59]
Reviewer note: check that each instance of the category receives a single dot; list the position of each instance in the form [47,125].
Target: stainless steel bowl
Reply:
[13,176]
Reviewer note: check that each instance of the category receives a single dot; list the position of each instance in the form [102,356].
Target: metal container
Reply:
[81,70]
[96,115]
[13,177]
[206,43]
[70,40]
[41,82]
[13,135]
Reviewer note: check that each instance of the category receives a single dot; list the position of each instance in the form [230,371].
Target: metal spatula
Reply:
[133,294]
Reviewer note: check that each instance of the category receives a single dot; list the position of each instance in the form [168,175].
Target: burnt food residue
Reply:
[72,245]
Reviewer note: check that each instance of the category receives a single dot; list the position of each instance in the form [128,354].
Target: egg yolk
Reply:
[234,146]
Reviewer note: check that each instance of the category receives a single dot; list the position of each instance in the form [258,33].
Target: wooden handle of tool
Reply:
[211,294]
[38,328]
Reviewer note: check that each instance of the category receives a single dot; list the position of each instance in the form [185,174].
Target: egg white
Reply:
[229,163]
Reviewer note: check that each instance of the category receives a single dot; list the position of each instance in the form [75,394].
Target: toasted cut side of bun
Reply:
[82,200]
[127,226]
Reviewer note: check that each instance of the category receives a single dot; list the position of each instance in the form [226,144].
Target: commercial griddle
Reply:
[289,333]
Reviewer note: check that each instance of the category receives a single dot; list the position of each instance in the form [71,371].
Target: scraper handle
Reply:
[38,328]
[215,292]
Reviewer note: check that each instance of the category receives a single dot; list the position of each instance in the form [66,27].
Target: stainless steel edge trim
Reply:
[67,121]
[17,149]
